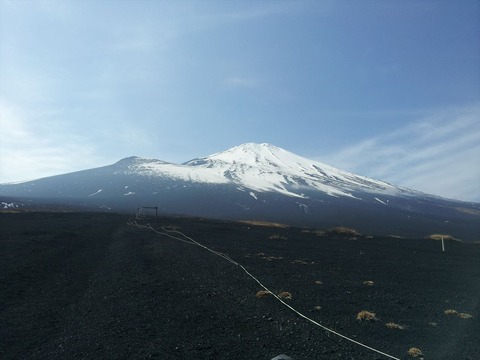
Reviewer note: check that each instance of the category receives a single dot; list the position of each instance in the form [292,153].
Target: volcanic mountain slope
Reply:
[254,181]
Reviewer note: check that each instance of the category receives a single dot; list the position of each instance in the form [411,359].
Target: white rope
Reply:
[226,257]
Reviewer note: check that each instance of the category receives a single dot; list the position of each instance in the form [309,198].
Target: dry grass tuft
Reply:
[450,312]
[341,230]
[368,283]
[365,315]
[460,315]
[285,295]
[264,223]
[262,294]
[415,352]
[440,236]
[392,325]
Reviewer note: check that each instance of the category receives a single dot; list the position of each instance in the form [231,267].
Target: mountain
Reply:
[253,181]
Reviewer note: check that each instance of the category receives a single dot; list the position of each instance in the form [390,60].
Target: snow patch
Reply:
[253,195]
[97,192]
[9,205]
[129,193]
[380,201]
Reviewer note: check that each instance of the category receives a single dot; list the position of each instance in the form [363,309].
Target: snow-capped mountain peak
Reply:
[265,167]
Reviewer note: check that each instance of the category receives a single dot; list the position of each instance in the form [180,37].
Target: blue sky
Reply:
[386,89]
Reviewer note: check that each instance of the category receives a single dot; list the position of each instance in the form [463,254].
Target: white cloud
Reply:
[437,154]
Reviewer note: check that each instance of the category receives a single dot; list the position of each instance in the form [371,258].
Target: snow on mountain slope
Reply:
[264,167]
[158,168]
[249,168]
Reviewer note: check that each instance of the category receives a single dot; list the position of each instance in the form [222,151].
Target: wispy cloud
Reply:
[28,154]
[241,82]
[437,154]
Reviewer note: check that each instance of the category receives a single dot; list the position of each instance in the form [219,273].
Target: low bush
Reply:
[284,295]
[392,325]
[365,315]
[262,294]
[415,352]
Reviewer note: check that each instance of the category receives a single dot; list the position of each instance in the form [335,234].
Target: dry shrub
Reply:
[285,295]
[262,294]
[450,312]
[341,230]
[264,223]
[440,236]
[460,315]
[368,283]
[415,352]
[392,325]
[365,315]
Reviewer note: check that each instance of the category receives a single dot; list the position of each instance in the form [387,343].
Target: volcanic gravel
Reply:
[90,286]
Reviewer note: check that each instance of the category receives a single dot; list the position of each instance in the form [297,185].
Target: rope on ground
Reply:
[189,240]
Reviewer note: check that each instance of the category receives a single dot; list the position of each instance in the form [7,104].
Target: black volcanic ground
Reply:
[89,286]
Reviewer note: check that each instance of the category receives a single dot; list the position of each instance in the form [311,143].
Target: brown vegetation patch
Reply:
[262,294]
[460,315]
[450,312]
[285,295]
[415,352]
[342,230]
[365,315]
[440,236]
[264,223]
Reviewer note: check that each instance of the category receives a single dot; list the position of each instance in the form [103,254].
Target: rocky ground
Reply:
[90,286]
